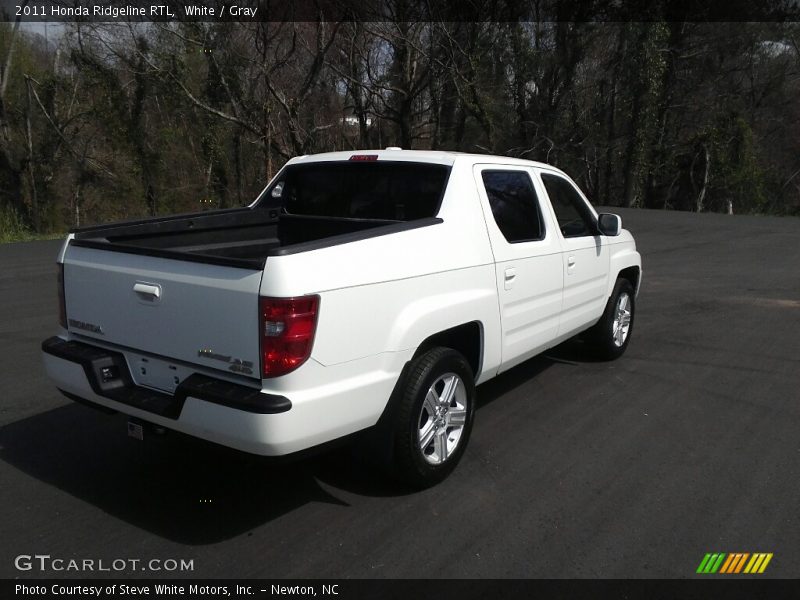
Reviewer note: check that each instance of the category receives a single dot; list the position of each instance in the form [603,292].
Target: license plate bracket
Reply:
[157,374]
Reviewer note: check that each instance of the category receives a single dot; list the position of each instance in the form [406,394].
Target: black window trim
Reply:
[515,169]
[589,212]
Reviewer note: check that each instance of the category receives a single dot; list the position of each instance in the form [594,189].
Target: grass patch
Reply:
[13,229]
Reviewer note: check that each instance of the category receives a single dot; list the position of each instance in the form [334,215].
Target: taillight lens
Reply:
[287,333]
[62,304]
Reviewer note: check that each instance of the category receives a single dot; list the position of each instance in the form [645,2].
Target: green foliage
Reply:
[736,173]
[14,229]
[645,77]
[129,122]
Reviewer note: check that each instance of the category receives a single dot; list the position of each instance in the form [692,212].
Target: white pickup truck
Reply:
[361,291]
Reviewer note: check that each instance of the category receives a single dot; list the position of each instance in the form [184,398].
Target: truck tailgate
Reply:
[185,311]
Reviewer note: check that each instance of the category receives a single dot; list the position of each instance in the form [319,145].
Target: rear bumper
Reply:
[326,403]
[108,376]
[212,409]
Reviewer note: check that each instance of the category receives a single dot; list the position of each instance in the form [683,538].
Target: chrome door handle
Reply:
[147,289]
[510,275]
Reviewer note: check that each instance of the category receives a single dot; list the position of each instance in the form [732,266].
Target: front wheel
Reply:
[434,419]
[612,333]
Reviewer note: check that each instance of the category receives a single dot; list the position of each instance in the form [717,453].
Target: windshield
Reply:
[395,191]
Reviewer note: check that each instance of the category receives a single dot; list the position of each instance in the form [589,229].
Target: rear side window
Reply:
[514,205]
[574,218]
[396,191]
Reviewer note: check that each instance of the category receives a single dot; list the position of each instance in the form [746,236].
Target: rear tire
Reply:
[433,421]
[611,335]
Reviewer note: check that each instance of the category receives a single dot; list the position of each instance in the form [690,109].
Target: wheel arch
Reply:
[633,274]
[625,263]
[466,339]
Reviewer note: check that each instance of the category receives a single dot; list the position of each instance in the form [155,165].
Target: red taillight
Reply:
[62,304]
[287,333]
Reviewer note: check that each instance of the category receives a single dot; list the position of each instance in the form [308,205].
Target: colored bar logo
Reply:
[734,563]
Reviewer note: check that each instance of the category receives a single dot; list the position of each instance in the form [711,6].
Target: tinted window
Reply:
[514,205]
[366,190]
[574,218]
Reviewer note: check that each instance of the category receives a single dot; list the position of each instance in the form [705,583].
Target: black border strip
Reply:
[736,587]
[275,11]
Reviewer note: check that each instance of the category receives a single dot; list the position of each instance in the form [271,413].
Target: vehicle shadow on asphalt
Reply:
[177,487]
[340,470]
[190,491]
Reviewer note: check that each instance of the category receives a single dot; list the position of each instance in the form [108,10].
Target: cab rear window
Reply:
[394,191]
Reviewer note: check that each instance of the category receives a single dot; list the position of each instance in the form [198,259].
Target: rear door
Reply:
[183,311]
[585,255]
[528,260]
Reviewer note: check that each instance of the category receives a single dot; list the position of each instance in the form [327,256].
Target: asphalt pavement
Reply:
[689,444]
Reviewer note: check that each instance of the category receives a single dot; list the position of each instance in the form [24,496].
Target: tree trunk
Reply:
[34,211]
[677,31]
[11,168]
[701,196]
[619,57]
[647,71]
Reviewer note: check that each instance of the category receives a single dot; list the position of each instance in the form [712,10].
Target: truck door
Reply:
[585,255]
[527,254]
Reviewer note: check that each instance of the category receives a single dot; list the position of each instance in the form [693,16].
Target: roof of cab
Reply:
[429,156]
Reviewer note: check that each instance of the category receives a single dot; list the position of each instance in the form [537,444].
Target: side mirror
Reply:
[609,224]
